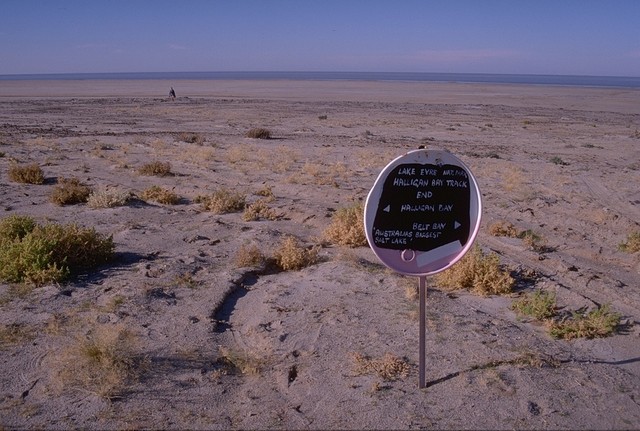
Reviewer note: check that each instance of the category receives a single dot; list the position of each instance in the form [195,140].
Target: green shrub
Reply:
[599,322]
[15,227]
[540,305]
[40,254]
[556,160]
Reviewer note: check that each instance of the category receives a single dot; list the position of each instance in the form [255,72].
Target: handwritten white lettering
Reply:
[417,208]
[456,183]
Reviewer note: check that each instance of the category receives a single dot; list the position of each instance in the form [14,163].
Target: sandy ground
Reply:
[176,288]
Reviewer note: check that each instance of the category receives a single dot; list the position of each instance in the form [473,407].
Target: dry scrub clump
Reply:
[223,201]
[347,227]
[502,228]
[249,256]
[532,240]
[632,244]
[160,195]
[40,254]
[108,198]
[599,322]
[70,191]
[104,362]
[259,210]
[290,255]
[266,192]
[26,174]
[158,169]
[259,133]
[389,367]
[528,237]
[191,138]
[15,333]
[235,361]
[478,272]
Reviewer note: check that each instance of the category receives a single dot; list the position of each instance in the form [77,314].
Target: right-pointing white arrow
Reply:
[456,225]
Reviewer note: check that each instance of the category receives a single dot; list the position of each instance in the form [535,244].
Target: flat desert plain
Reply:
[176,333]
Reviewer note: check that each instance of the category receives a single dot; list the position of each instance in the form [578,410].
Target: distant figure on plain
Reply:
[172,93]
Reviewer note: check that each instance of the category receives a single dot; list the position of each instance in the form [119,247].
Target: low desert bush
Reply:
[191,138]
[223,201]
[160,195]
[105,362]
[26,174]
[632,244]
[266,192]
[259,210]
[388,367]
[14,228]
[15,333]
[478,272]
[556,160]
[236,361]
[259,133]
[108,198]
[347,227]
[40,254]
[599,322]
[532,239]
[156,168]
[290,255]
[540,305]
[528,237]
[70,191]
[249,256]
[502,228]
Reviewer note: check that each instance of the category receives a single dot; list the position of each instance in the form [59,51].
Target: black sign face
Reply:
[423,207]
[423,212]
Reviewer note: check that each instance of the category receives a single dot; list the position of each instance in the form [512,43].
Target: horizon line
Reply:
[315,72]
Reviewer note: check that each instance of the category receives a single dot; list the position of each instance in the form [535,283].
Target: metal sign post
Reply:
[422,293]
[421,216]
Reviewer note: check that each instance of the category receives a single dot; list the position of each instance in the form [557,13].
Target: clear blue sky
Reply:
[580,37]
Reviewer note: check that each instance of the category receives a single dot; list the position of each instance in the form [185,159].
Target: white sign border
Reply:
[422,156]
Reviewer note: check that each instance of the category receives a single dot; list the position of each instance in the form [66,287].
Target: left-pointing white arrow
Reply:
[387,209]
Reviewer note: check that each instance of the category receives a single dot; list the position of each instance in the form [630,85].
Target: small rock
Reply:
[533,408]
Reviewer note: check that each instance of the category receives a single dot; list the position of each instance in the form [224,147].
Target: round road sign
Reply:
[423,212]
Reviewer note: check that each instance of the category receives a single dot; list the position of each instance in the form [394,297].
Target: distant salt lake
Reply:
[561,80]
